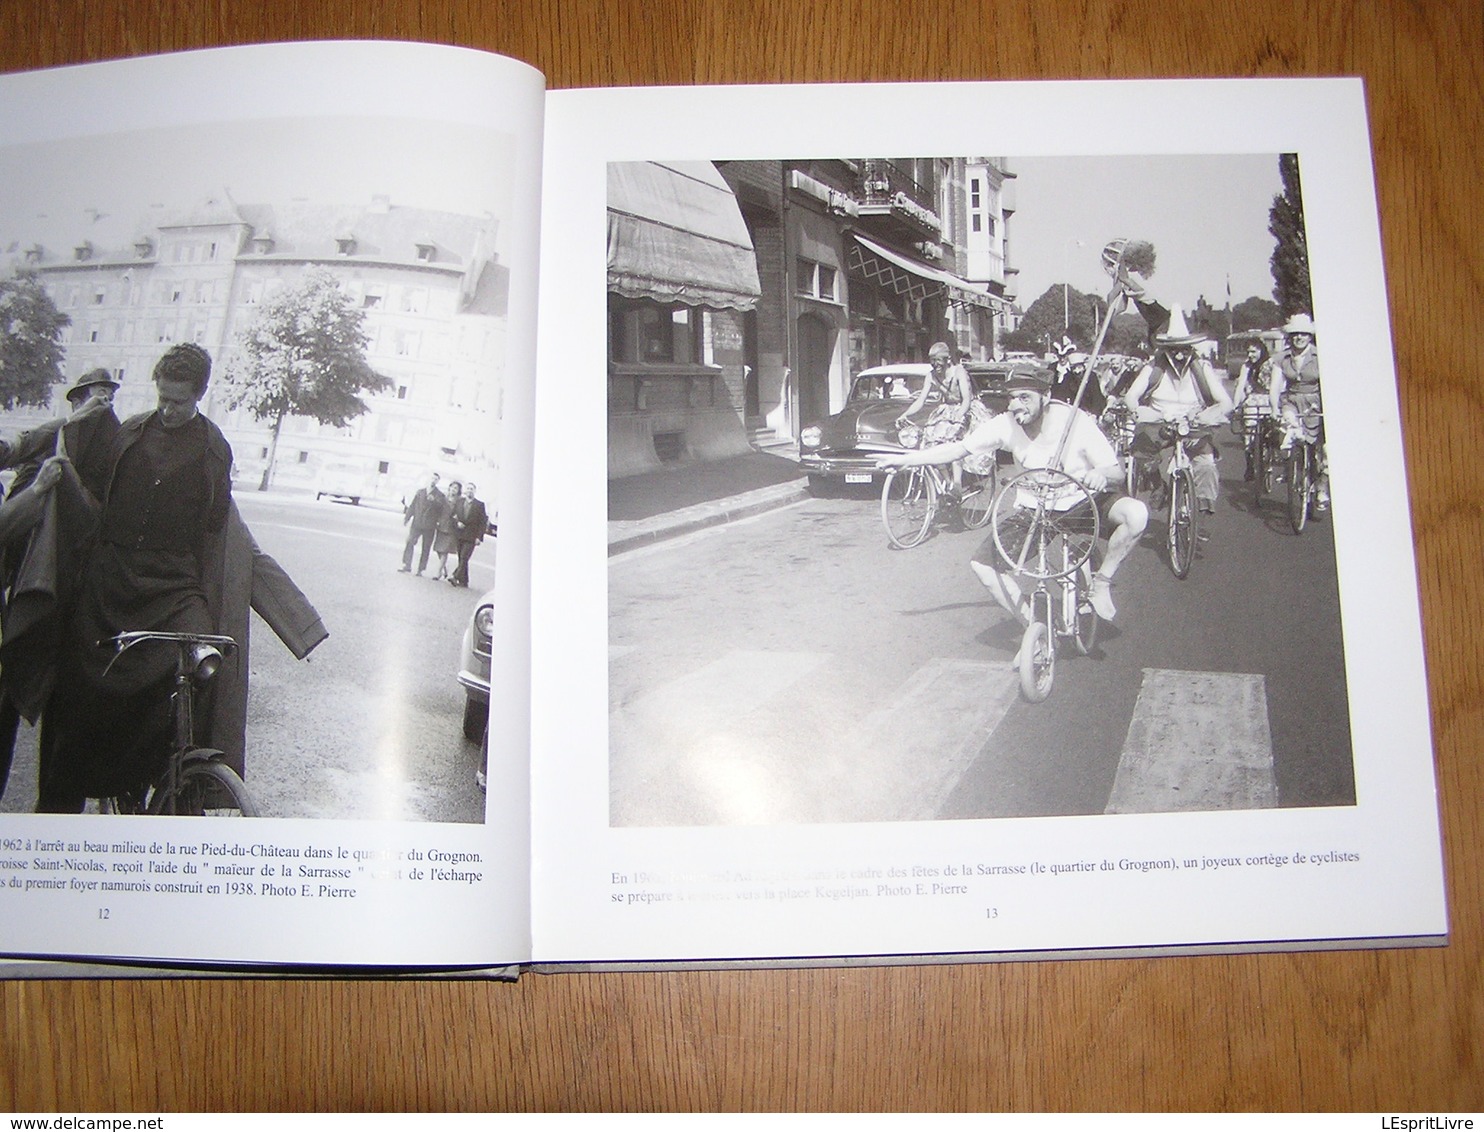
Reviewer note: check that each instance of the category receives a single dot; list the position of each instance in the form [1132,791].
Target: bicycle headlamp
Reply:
[206,660]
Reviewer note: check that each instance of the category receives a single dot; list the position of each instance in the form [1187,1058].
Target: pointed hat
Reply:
[1177,333]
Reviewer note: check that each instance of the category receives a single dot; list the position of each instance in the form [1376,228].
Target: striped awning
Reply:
[895,271]
[676,235]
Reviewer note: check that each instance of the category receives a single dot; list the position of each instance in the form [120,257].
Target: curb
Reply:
[624,536]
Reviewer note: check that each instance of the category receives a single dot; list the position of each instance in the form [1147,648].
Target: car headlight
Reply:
[811,437]
[909,435]
[484,621]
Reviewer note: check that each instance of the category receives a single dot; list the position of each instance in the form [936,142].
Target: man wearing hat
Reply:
[86,434]
[1179,383]
[1296,390]
[1032,431]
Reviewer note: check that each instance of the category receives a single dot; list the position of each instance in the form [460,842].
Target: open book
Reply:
[700,696]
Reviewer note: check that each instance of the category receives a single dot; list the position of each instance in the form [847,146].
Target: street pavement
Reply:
[791,667]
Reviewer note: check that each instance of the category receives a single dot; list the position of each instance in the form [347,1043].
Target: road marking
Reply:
[1197,741]
[768,738]
[696,750]
[908,755]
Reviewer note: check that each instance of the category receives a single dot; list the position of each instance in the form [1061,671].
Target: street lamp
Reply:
[1066,314]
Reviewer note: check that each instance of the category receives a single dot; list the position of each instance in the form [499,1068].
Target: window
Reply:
[374,297]
[644,331]
[99,294]
[303,456]
[977,222]
[414,299]
[383,467]
[816,280]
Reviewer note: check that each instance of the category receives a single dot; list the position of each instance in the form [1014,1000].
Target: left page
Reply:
[270,334]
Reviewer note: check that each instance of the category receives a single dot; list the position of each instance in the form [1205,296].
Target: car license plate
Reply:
[857,477]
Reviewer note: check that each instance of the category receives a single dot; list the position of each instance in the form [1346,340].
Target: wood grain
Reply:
[1388,1031]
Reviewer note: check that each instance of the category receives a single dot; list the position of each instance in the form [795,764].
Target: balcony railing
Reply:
[886,186]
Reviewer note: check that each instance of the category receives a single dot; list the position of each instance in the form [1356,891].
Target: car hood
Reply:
[872,422]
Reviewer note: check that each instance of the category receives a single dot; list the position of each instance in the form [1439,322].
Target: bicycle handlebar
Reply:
[127,640]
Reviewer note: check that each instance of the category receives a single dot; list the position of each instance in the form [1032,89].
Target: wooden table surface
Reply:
[1388,1030]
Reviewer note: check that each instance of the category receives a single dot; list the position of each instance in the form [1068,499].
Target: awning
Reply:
[676,235]
[887,268]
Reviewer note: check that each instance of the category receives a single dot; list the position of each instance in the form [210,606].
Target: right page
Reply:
[888,608]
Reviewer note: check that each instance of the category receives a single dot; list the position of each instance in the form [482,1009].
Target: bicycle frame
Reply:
[184,752]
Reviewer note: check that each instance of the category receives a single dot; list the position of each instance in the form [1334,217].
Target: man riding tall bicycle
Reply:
[1041,433]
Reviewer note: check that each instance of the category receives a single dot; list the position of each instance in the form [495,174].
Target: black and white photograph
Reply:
[252,365]
[968,487]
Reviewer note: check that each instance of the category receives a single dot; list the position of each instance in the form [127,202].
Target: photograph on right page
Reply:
[968,487]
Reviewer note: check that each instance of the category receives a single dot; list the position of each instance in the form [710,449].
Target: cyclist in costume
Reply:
[1252,398]
[1031,430]
[1296,389]
[1178,383]
[955,411]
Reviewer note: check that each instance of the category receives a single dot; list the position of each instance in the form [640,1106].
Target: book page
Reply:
[783,709]
[339,239]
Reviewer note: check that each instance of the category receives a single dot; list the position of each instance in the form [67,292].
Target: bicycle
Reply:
[1046,529]
[912,497]
[1182,529]
[1303,467]
[1259,432]
[197,780]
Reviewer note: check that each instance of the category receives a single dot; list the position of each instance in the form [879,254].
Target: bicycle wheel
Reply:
[1045,523]
[1298,487]
[1181,529]
[207,788]
[977,505]
[1084,624]
[909,500]
[1267,470]
[1037,663]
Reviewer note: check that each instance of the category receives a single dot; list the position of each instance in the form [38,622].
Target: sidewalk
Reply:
[674,501]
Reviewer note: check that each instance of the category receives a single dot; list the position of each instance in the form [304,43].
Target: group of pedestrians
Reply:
[444,524]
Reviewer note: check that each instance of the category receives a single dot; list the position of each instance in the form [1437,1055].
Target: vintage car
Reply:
[474,667]
[844,448]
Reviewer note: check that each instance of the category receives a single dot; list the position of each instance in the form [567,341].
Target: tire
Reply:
[1085,618]
[976,507]
[476,716]
[1266,470]
[1298,487]
[1181,530]
[1037,663]
[909,501]
[207,788]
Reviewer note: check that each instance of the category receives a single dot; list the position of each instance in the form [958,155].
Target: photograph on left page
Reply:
[252,365]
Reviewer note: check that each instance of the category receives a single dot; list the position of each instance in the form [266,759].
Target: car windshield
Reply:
[886,387]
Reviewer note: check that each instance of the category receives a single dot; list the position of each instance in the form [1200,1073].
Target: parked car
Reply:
[844,448]
[474,668]
[343,479]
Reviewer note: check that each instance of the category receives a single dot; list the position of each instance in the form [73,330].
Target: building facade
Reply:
[862,262]
[430,284]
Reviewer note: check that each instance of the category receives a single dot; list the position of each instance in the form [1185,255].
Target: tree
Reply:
[1256,314]
[1290,260]
[30,341]
[1048,318]
[304,355]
